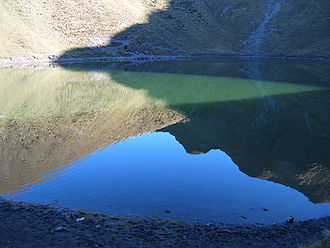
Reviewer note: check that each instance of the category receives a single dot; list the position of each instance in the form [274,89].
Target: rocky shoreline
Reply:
[34,225]
[52,60]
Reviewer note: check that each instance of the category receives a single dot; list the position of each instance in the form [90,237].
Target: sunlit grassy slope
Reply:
[42,28]
[50,27]
[35,93]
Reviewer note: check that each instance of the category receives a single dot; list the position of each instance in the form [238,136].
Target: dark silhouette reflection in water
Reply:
[272,128]
[147,175]
[271,131]
[302,72]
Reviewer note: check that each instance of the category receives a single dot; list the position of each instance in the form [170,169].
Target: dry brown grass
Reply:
[47,27]
[42,28]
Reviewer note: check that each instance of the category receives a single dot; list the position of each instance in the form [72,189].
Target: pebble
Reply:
[290,220]
[60,229]
[80,219]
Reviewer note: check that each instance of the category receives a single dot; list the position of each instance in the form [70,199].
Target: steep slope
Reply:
[113,27]
[47,27]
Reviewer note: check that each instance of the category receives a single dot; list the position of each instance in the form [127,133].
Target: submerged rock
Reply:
[80,219]
[60,229]
[290,220]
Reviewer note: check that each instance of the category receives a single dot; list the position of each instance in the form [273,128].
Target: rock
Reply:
[290,220]
[80,219]
[52,57]
[60,229]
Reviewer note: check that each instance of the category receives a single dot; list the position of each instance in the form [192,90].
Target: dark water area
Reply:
[214,140]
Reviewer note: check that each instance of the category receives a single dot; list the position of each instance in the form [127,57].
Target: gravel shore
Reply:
[23,61]
[32,225]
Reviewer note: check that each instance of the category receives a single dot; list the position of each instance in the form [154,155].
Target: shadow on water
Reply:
[270,116]
[274,127]
[314,73]
[271,128]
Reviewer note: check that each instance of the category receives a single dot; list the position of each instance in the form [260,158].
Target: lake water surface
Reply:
[209,140]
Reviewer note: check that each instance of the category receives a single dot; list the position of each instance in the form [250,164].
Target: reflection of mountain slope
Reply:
[53,117]
[36,93]
[30,148]
[273,130]
[285,139]
[276,131]
[303,72]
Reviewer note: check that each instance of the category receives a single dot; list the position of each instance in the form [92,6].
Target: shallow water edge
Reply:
[25,61]
[21,223]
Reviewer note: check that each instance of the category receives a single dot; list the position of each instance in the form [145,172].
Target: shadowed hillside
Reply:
[273,28]
[143,27]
